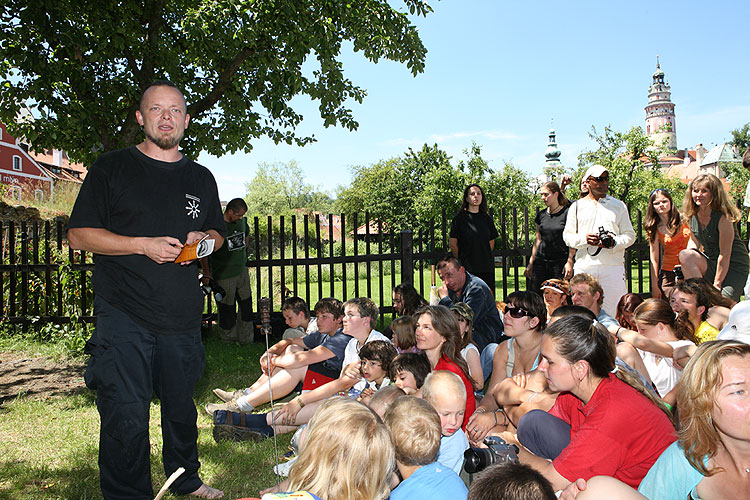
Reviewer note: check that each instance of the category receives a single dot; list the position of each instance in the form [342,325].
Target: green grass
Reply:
[49,447]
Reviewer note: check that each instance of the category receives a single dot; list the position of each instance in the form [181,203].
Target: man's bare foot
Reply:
[205,491]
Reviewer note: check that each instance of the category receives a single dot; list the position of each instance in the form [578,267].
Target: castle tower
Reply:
[660,120]
[552,153]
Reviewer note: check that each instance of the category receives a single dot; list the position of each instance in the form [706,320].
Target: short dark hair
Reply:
[449,259]
[415,363]
[701,297]
[237,205]
[329,305]
[297,305]
[160,83]
[510,482]
[381,351]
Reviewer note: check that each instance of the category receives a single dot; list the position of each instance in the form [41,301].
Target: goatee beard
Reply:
[166,142]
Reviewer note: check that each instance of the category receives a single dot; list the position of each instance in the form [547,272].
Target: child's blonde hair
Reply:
[348,453]
[443,382]
[415,428]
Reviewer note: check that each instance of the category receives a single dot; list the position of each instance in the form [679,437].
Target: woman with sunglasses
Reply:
[556,293]
[550,256]
[525,316]
[473,234]
[713,218]
[668,235]
[439,337]
[604,422]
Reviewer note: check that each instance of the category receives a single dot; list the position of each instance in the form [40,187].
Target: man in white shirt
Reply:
[603,258]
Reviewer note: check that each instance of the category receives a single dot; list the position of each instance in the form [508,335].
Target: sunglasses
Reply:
[555,286]
[601,178]
[516,312]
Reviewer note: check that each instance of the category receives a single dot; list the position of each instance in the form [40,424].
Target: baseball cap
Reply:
[738,326]
[594,171]
[464,310]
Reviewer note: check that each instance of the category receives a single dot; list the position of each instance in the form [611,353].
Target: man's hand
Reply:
[266,363]
[568,270]
[593,240]
[161,249]
[194,236]
[353,370]
[442,291]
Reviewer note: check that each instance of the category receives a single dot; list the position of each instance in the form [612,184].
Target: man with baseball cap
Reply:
[598,227]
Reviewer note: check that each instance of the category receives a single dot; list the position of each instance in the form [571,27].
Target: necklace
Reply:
[555,210]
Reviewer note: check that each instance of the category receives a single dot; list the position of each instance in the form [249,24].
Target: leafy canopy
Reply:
[410,190]
[280,189]
[632,160]
[240,62]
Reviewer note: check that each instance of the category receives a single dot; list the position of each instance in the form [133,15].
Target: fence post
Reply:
[407,257]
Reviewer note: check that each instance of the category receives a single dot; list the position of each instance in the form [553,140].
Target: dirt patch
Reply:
[38,378]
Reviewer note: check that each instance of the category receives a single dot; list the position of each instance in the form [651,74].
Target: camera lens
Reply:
[477,459]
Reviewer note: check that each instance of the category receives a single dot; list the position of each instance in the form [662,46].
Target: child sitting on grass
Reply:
[469,351]
[409,370]
[296,314]
[415,429]
[446,392]
[381,400]
[375,357]
[404,334]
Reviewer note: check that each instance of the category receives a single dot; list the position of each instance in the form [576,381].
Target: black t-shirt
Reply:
[131,194]
[551,229]
[474,231]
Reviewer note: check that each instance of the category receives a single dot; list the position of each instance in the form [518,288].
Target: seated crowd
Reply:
[639,402]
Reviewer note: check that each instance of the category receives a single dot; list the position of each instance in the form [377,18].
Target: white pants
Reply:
[612,280]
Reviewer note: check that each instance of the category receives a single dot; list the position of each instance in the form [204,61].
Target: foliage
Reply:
[741,138]
[409,191]
[240,62]
[280,189]
[738,177]
[632,161]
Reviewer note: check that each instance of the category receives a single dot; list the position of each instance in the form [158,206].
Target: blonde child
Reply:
[446,393]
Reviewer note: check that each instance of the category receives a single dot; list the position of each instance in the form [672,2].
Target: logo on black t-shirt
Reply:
[193,206]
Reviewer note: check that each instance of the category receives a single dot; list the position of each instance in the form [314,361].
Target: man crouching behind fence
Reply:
[136,210]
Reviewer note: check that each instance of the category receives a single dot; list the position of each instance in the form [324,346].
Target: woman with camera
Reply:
[712,457]
[604,422]
[715,250]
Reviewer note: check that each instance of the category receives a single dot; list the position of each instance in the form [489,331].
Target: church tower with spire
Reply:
[660,119]
[552,153]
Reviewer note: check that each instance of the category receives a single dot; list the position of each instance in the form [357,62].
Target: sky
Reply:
[502,73]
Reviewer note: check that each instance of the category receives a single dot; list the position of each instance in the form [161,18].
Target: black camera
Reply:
[497,452]
[213,287]
[607,238]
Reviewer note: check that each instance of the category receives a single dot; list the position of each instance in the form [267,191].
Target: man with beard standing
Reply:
[136,210]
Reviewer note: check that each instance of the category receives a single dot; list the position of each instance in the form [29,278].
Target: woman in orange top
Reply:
[667,234]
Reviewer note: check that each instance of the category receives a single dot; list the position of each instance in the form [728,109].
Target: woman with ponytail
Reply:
[604,422]
[659,334]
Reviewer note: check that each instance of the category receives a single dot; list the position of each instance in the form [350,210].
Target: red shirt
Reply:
[673,245]
[446,364]
[618,433]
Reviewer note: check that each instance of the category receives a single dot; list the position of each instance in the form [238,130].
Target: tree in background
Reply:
[409,191]
[741,138]
[279,189]
[80,71]
[633,164]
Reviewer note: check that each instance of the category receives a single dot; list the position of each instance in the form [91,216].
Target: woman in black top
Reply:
[472,236]
[550,256]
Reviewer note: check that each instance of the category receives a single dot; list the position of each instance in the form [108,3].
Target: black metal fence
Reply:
[311,256]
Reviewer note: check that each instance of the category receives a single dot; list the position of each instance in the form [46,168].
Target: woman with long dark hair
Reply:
[473,234]
[550,256]
[668,235]
[713,218]
[439,337]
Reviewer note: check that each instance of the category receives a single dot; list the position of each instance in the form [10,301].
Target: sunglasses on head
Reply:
[516,312]
[601,178]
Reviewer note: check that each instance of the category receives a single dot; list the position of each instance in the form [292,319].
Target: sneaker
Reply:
[283,468]
[227,396]
[230,406]
[223,432]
